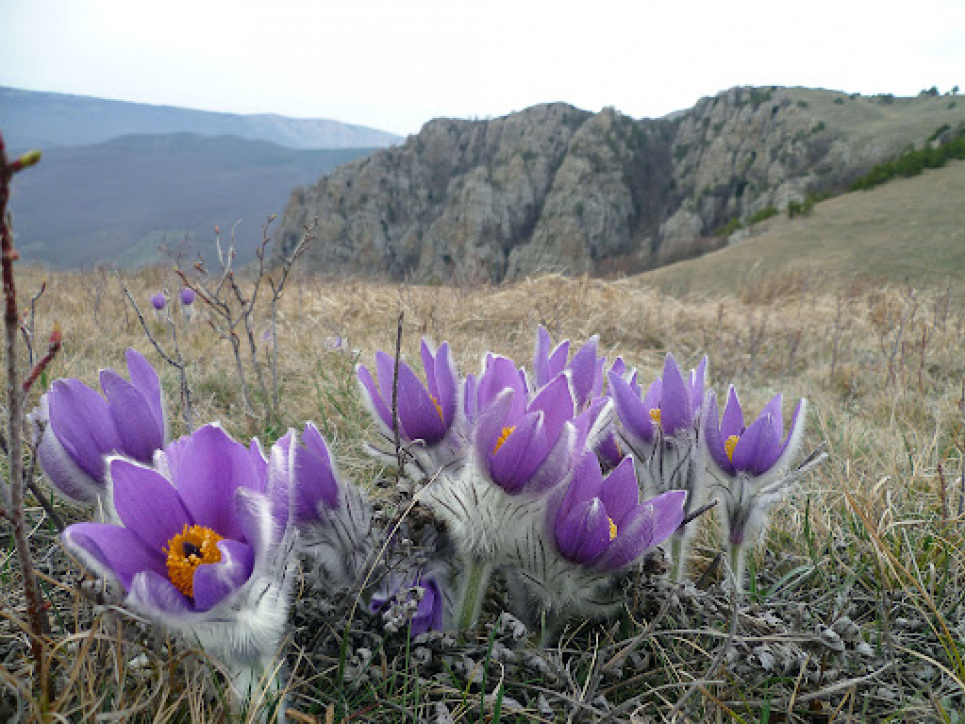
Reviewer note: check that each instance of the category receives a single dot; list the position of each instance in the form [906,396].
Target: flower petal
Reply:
[64,473]
[584,368]
[587,484]
[759,446]
[83,422]
[155,596]
[113,550]
[556,403]
[676,408]
[370,392]
[620,491]
[732,422]
[522,452]
[215,581]
[146,381]
[147,503]
[584,534]
[137,426]
[633,413]
[315,480]
[651,523]
[418,415]
[211,468]
[715,438]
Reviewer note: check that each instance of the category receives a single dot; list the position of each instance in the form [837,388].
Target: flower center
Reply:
[438,408]
[655,415]
[613,527]
[729,445]
[507,431]
[192,547]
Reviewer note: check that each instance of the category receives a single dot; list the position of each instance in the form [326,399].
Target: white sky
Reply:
[395,64]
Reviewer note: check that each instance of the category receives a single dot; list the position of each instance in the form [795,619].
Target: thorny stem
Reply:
[36,614]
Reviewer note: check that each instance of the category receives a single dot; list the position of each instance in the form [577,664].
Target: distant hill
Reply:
[32,119]
[906,231]
[556,188]
[118,201]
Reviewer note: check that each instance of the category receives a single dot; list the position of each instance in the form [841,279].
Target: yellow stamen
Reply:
[729,445]
[613,527]
[192,547]
[655,415]
[507,431]
[438,407]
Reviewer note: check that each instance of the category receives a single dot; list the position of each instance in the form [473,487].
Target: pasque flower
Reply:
[332,515]
[204,544]
[662,430]
[187,302]
[158,301]
[427,412]
[586,367]
[752,466]
[82,427]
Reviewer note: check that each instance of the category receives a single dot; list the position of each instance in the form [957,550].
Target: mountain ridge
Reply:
[556,188]
[41,119]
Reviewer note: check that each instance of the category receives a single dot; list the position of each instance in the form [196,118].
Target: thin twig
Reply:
[395,401]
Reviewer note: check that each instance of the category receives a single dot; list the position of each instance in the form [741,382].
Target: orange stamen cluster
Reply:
[655,415]
[507,431]
[194,546]
[613,527]
[729,445]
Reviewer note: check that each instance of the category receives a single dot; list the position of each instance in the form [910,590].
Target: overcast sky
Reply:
[395,64]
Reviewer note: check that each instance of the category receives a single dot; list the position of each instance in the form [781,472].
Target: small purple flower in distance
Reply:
[204,546]
[187,296]
[82,428]
[158,301]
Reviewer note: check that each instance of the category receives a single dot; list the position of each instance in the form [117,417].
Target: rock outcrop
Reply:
[554,188]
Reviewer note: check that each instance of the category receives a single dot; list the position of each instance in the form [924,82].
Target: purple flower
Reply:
[159,300]
[601,522]
[514,437]
[421,604]
[82,427]
[672,404]
[426,412]
[205,546]
[202,543]
[586,366]
[757,448]
[333,517]
[187,297]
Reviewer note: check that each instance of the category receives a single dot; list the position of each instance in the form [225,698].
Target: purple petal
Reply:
[64,473]
[759,446]
[315,479]
[651,523]
[557,360]
[279,485]
[148,505]
[512,465]
[446,382]
[137,427]
[633,413]
[213,582]
[541,356]
[418,415]
[490,422]
[698,378]
[83,422]
[114,548]
[429,614]
[796,426]
[260,462]
[584,368]
[621,493]
[619,367]
[385,372]
[145,379]
[555,401]
[587,484]
[156,596]
[774,409]
[732,422]
[584,534]
[501,372]
[676,409]
[714,436]
[370,392]
[211,468]
[261,529]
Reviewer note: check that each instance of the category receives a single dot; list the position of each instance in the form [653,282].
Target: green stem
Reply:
[737,566]
[678,556]
[476,579]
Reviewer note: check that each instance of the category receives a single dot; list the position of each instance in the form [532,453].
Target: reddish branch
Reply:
[36,613]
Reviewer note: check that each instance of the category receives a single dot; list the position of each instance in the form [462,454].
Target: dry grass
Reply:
[875,535]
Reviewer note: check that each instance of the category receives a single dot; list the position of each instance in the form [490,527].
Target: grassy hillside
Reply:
[117,201]
[908,230]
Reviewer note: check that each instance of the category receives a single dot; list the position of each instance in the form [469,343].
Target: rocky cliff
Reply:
[554,188]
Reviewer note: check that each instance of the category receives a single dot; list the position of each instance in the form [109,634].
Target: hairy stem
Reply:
[477,577]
